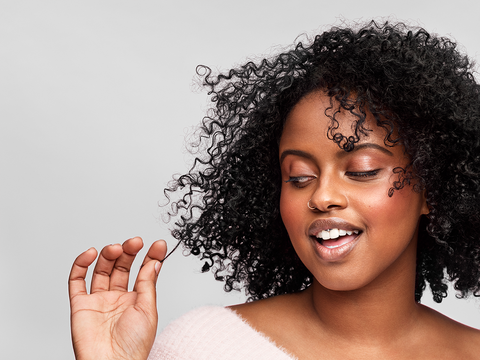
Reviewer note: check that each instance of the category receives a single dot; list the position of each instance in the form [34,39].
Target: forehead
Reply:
[317,117]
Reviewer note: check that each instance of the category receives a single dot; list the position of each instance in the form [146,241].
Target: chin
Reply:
[341,283]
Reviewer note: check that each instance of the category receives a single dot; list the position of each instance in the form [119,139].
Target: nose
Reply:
[328,196]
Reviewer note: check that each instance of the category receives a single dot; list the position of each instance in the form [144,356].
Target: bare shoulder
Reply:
[281,318]
[452,336]
[467,337]
[268,309]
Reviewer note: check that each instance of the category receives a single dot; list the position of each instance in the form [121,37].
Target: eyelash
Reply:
[362,174]
[299,181]
[302,181]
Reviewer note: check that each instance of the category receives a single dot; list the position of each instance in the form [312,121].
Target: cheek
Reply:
[291,210]
[400,213]
[378,203]
[285,208]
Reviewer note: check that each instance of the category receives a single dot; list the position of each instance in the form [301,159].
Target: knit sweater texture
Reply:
[213,333]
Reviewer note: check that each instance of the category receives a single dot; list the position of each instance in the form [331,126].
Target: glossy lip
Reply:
[330,223]
[338,253]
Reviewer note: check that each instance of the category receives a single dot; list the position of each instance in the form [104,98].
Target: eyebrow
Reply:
[371,146]
[340,154]
[297,153]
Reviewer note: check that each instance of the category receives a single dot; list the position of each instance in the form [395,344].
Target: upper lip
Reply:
[330,223]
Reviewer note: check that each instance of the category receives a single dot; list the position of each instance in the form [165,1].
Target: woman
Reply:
[336,181]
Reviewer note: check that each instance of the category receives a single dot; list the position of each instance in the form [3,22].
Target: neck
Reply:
[384,310]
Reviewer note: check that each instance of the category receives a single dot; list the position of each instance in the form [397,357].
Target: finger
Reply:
[146,293]
[157,252]
[76,280]
[103,268]
[121,269]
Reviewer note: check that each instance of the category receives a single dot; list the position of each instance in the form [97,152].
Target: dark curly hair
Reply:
[418,86]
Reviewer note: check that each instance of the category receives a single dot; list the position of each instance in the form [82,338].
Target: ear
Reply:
[425,210]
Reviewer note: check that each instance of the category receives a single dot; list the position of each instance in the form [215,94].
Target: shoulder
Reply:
[452,337]
[464,341]
[465,338]
[265,313]
[213,332]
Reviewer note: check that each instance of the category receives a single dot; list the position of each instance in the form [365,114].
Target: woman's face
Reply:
[353,233]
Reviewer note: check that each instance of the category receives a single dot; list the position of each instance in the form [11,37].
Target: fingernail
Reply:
[157,267]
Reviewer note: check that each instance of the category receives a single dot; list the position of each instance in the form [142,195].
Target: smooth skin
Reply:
[112,322]
[359,306]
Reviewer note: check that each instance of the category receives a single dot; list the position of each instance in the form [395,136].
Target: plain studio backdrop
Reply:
[96,99]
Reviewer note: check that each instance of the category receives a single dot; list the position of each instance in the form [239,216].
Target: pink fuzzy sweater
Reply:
[212,333]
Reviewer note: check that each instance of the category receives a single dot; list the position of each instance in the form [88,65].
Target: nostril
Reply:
[332,206]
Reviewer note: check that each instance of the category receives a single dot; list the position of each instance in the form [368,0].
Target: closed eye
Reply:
[362,174]
[300,181]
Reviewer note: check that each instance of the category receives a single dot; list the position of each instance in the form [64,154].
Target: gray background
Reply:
[96,98]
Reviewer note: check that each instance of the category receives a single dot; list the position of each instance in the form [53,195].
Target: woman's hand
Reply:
[112,322]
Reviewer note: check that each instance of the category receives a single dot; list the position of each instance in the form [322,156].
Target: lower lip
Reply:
[337,253]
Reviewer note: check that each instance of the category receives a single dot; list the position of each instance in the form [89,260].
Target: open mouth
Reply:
[333,238]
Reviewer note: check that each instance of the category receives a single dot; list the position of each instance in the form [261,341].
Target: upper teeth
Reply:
[334,233]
